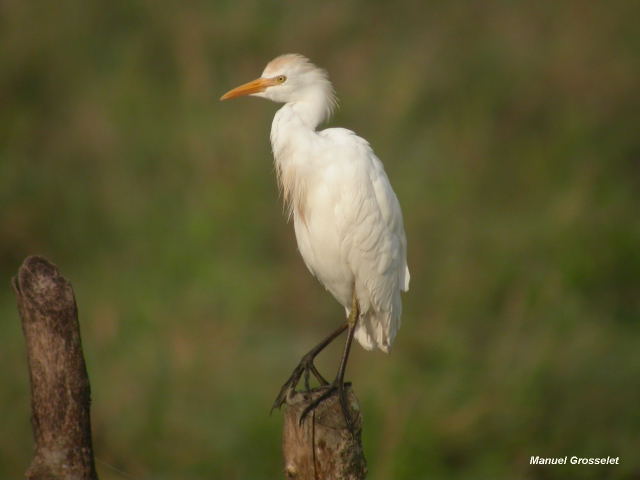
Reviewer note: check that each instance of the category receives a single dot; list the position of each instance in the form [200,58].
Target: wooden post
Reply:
[60,392]
[322,448]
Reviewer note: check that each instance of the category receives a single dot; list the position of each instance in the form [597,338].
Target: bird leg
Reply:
[305,367]
[338,384]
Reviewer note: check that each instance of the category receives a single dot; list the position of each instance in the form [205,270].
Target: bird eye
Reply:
[281,79]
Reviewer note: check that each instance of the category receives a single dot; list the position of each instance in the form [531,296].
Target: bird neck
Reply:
[313,108]
[292,134]
[299,118]
[287,132]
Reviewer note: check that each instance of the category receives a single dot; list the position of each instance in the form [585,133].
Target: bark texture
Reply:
[322,448]
[60,392]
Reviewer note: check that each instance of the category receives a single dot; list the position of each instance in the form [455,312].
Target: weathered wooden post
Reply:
[322,447]
[60,392]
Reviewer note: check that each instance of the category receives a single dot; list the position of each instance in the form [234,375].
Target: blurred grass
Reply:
[510,133]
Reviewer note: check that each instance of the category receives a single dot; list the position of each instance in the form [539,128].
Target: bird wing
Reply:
[373,238]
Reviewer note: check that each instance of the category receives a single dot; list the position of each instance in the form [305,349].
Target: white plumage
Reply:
[347,219]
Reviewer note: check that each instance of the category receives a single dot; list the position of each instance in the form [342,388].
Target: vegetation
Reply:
[510,133]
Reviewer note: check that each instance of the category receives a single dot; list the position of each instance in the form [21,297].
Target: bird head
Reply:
[289,78]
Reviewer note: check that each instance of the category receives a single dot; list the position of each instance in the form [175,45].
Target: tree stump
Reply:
[60,392]
[322,448]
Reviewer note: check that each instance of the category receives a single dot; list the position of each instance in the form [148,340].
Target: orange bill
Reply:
[254,86]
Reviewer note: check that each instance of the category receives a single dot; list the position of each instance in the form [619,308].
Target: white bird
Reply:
[347,219]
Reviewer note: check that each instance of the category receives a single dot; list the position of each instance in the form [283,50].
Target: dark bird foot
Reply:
[306,368]
[339,388]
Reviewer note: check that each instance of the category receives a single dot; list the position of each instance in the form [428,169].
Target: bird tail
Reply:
[404,281]
[377,330]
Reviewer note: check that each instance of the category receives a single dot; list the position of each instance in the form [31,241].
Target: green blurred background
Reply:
[510,133]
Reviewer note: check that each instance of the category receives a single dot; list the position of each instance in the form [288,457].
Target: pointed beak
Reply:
[255,86]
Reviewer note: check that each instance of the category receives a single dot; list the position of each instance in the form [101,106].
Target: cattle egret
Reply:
[347,219]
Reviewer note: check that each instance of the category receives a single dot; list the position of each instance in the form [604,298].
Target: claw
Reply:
[289,385]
